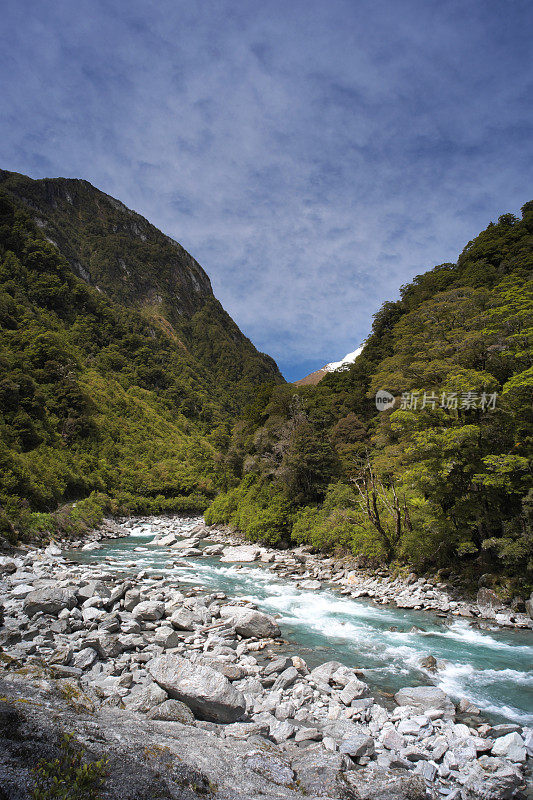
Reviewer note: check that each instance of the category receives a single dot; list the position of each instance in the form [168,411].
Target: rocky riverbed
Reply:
[140,665]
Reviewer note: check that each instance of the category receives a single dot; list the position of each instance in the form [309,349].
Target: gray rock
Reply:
[277,666]
[149,611]
[145,696]
[324,672]
[269,766]
[249,622]
[424,698]
[320,774]
[183,620]
[357,746]
[511,746]
[491,779]
[209,695]
[85,658]
[172,711]
[286,679]
[242,553]
[49,601]
[427,770]
[131,599]
[166,637]
[354,690]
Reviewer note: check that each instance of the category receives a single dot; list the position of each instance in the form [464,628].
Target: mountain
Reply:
[136,266]
[315,377]
[120,372]
[441,476]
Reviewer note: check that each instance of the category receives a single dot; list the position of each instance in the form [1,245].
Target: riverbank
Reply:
[201,667]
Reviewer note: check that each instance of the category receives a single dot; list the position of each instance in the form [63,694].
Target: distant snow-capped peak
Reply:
[349,358]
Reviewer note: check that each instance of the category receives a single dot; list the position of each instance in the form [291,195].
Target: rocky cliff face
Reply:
[134,264]
[112,247]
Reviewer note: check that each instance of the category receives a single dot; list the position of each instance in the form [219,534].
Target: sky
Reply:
[312,155]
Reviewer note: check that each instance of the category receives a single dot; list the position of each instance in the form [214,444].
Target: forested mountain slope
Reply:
[120,373]
[443,478]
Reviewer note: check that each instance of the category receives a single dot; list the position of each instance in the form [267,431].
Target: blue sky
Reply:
[313,156]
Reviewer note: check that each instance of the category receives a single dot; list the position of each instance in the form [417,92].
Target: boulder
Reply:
[491,779]
[357,746]
[49,601]
[354,690]
[85,658]
[320,774]
[511,746]
[249,622]
[149,611]
[487,598]
[183,620]
[172,711]
[145,696]
[269,766]
[324,672]
[209,695]
[242,553]
[529,605]
[425,697]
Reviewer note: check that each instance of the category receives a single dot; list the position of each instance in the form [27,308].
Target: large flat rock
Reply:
[209,695]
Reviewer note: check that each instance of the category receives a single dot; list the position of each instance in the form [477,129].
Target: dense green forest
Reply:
[443,478]
[105,403]
[125,387]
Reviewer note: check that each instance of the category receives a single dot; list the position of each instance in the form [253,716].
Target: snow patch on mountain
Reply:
[349,358]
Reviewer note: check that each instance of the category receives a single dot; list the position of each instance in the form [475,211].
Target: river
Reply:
[491,668]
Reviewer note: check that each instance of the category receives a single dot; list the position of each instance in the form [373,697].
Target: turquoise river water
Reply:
[491,668]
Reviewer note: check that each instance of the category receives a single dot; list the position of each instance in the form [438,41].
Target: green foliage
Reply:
[68,777]
[439,484]
[98,398]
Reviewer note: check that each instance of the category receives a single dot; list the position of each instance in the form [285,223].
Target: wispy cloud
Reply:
[313,157]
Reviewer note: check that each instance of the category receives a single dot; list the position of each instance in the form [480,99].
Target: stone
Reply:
[392,740]
[149,611]
[320,773]
[248,622]
[277,666]
[281,730]
[166,541]
[166,637]
[49,601]
[357,746]
[511,746]
[286,679]
[85,658]
[172,711]
[491,779]
[354,690]
[183,620]
[131,599]
[242,553]
[307,734]
[424,698]
[487,598]
[324,672]
[145,696]
[427,770]
[209,695]
[269,766]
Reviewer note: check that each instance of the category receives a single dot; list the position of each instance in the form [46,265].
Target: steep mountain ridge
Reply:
[123,386]
[134,264]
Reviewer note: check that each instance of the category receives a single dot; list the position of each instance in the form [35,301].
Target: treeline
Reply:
[443,479]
